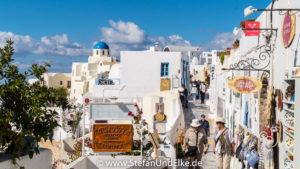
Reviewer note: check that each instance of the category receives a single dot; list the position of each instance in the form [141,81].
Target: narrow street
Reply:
[195,111]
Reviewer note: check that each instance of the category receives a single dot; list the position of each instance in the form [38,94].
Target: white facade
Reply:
[140,73]
[84,75]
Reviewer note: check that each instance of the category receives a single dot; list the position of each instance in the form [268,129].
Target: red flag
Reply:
[252,25]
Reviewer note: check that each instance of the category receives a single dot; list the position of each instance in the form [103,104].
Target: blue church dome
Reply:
[101,45]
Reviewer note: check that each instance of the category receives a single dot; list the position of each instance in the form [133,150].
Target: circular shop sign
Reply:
[288,28]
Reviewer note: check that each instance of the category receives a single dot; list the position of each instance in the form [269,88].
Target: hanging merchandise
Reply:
[279,131]
[271,107]
[261,163]
[280,103]
[268,154]
[246,115]
[252,157]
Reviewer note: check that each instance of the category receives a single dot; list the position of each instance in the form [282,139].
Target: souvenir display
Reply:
[296,72]
[289,119]
[288,164]
[289,143]
[289,93]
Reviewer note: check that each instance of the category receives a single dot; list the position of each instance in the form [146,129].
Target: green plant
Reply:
[222,57]
[24,114]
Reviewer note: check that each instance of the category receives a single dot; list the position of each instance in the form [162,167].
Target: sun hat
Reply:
[195,123]
[220,120]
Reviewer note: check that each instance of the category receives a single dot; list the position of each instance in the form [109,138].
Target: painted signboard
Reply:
[245,84]
[252,25]
[288,28]
[112,138]
[165,84]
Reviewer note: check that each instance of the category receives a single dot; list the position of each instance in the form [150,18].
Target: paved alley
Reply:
[195,111]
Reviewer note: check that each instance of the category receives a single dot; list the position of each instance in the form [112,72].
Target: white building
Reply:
[201,63]
[142,72]
[83,76]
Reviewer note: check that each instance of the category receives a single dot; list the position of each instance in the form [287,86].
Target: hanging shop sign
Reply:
[112,137]
[252,25]
[245,84]
[288,28]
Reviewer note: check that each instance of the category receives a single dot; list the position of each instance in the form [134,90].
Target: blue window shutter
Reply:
[164,69]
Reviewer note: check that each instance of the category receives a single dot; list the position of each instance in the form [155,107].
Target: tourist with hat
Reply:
[194,143]
[224,145]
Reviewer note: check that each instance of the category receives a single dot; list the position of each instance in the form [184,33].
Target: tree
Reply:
[24,115]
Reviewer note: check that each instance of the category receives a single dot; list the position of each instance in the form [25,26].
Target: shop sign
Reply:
[288,28]
[245,84]
[252,25]
[165,84]
[112,137]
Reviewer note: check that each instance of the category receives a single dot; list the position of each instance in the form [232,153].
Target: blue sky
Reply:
[64,31]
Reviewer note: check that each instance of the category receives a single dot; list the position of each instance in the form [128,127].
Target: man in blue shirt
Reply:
[204,124]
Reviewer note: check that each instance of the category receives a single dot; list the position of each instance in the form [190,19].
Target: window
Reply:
[97,52]
[103,52]
[61,82]
[69,84]
[164,71]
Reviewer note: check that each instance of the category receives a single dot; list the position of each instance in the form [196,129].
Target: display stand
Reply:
[289,123]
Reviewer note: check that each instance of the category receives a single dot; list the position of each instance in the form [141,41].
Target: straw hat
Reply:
[220,120]
[195,123]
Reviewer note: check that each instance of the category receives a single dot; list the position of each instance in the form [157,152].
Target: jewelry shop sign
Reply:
[245,85]
[112,137]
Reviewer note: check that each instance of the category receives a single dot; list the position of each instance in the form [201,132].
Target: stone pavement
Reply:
[195,111]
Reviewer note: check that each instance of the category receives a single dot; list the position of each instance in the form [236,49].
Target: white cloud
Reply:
[220,42]
[22,65]
[129,36]
[58,45]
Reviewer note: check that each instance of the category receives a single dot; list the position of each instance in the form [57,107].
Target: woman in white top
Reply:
[194,92]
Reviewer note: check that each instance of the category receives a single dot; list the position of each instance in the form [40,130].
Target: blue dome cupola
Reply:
[101,45]
[101,49]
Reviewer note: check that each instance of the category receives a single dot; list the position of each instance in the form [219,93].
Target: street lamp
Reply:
[250,9]
[236,31]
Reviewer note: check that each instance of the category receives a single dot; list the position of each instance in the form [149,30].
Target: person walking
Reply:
[195,140]
[224,145]
[205,125]
[198,89]
[194,92]
[202,92]
[181,94]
